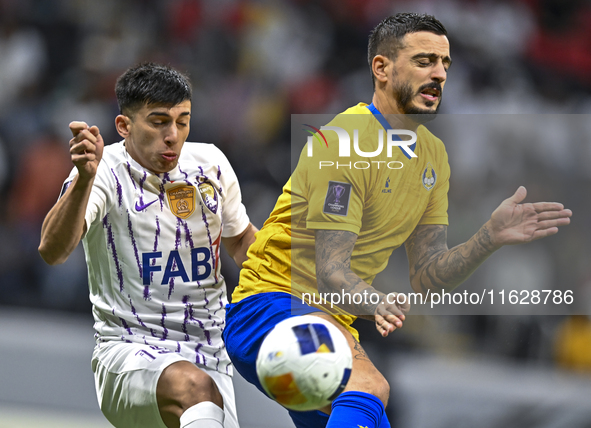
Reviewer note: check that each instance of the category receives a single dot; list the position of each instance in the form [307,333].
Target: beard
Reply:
[404,95]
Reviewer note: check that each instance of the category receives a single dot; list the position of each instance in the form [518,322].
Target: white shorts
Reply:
[126,376]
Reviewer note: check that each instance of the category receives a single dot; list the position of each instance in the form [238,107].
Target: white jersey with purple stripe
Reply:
[153,249]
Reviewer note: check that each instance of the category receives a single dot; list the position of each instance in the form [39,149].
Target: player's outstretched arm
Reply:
[237,246]
[433,266]
[334,275]
[64,225]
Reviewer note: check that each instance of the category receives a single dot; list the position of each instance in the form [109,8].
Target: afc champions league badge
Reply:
[209,196]
[337,198]
[181,200]
[429,177]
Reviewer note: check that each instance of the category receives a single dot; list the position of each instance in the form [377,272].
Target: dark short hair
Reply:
[150,83]
[386,38]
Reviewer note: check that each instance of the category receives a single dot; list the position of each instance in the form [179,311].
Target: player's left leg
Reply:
[133,381]
[247,324]
[195,397]
[318,419]
[189,394]
[364,400]
[249,321]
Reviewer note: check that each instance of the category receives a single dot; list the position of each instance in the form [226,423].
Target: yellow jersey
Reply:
[380,196]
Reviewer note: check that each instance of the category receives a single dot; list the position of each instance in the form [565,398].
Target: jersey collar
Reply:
[380,118]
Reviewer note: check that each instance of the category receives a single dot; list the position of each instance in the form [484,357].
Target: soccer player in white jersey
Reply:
[151,212]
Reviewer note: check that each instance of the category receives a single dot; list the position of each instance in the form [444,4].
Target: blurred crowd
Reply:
[253,64]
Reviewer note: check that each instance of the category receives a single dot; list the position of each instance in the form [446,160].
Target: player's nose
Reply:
[172,135]
[439,73]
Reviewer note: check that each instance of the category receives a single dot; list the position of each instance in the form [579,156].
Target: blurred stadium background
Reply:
[252,64]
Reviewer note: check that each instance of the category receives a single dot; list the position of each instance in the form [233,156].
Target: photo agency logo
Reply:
[392,140]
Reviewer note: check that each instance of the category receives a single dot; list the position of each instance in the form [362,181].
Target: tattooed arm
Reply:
[334,275]
[433,266]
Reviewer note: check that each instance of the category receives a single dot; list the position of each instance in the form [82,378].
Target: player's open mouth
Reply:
[430,94]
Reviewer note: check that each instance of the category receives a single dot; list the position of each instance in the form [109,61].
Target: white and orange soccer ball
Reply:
[304,363]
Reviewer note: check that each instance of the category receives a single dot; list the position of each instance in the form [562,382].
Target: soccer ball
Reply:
[304,363]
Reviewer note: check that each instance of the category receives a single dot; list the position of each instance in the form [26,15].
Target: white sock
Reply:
[203,415]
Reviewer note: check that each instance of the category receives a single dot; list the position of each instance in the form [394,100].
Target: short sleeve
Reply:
[99,195]
[436,212]
[336,202]
[234,217]
[335,194]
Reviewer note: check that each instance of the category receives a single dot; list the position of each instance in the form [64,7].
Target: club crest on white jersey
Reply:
[181,200]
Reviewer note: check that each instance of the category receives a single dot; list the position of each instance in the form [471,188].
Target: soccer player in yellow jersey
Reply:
[333,229]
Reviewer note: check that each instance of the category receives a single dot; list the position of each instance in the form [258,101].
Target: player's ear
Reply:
[123,123]
[378,68]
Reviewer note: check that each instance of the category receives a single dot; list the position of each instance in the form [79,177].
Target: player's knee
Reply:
[183,385]
[383,390]
[377,385]
[199,386]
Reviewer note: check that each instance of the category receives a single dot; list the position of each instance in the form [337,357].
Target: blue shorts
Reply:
[247,324]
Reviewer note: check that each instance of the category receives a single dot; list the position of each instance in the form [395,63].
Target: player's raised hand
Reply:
[516,223]
[86,148]
[390,313]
